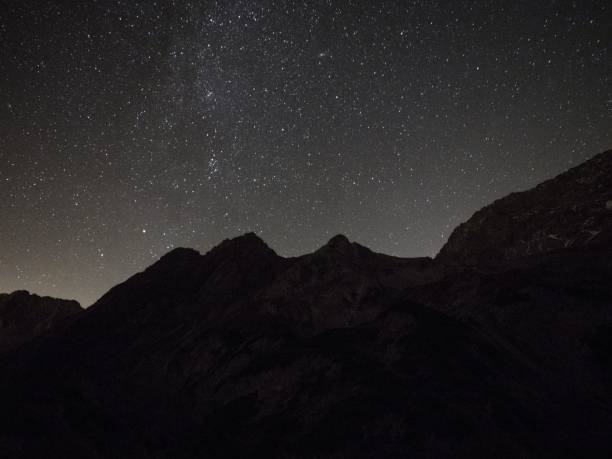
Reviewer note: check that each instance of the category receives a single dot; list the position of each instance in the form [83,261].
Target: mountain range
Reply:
[500,345]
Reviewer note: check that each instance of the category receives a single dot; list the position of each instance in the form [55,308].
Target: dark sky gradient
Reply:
[128,128]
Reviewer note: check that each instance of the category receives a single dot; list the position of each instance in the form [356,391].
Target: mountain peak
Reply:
[247,242]
[250,237]
[181,253]
[338,240]
[19,294]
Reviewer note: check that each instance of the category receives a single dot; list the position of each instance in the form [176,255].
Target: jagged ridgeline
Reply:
[500,346]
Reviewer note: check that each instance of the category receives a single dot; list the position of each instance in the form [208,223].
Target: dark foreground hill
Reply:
[501,346]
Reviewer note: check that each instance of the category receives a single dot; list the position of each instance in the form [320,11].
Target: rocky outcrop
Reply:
[572,210]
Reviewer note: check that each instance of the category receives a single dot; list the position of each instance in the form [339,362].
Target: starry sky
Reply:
[128,128]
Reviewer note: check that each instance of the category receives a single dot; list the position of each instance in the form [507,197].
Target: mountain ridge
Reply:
[343,352]
[25,316]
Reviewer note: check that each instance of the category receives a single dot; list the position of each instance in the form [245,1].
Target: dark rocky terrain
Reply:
[572,210]
[500,346]
[24,316]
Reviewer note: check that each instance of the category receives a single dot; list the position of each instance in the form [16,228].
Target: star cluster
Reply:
[128,128]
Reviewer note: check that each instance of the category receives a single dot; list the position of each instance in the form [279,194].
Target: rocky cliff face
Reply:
[24,316]
[490,349]
[572,210]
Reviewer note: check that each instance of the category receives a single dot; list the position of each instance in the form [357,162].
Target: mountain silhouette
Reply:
[499,346]
[24,316]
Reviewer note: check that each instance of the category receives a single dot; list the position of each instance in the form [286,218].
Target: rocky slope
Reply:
[571,210]
[343,352]
[24,316]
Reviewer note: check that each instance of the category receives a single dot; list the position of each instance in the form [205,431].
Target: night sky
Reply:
[128,128]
